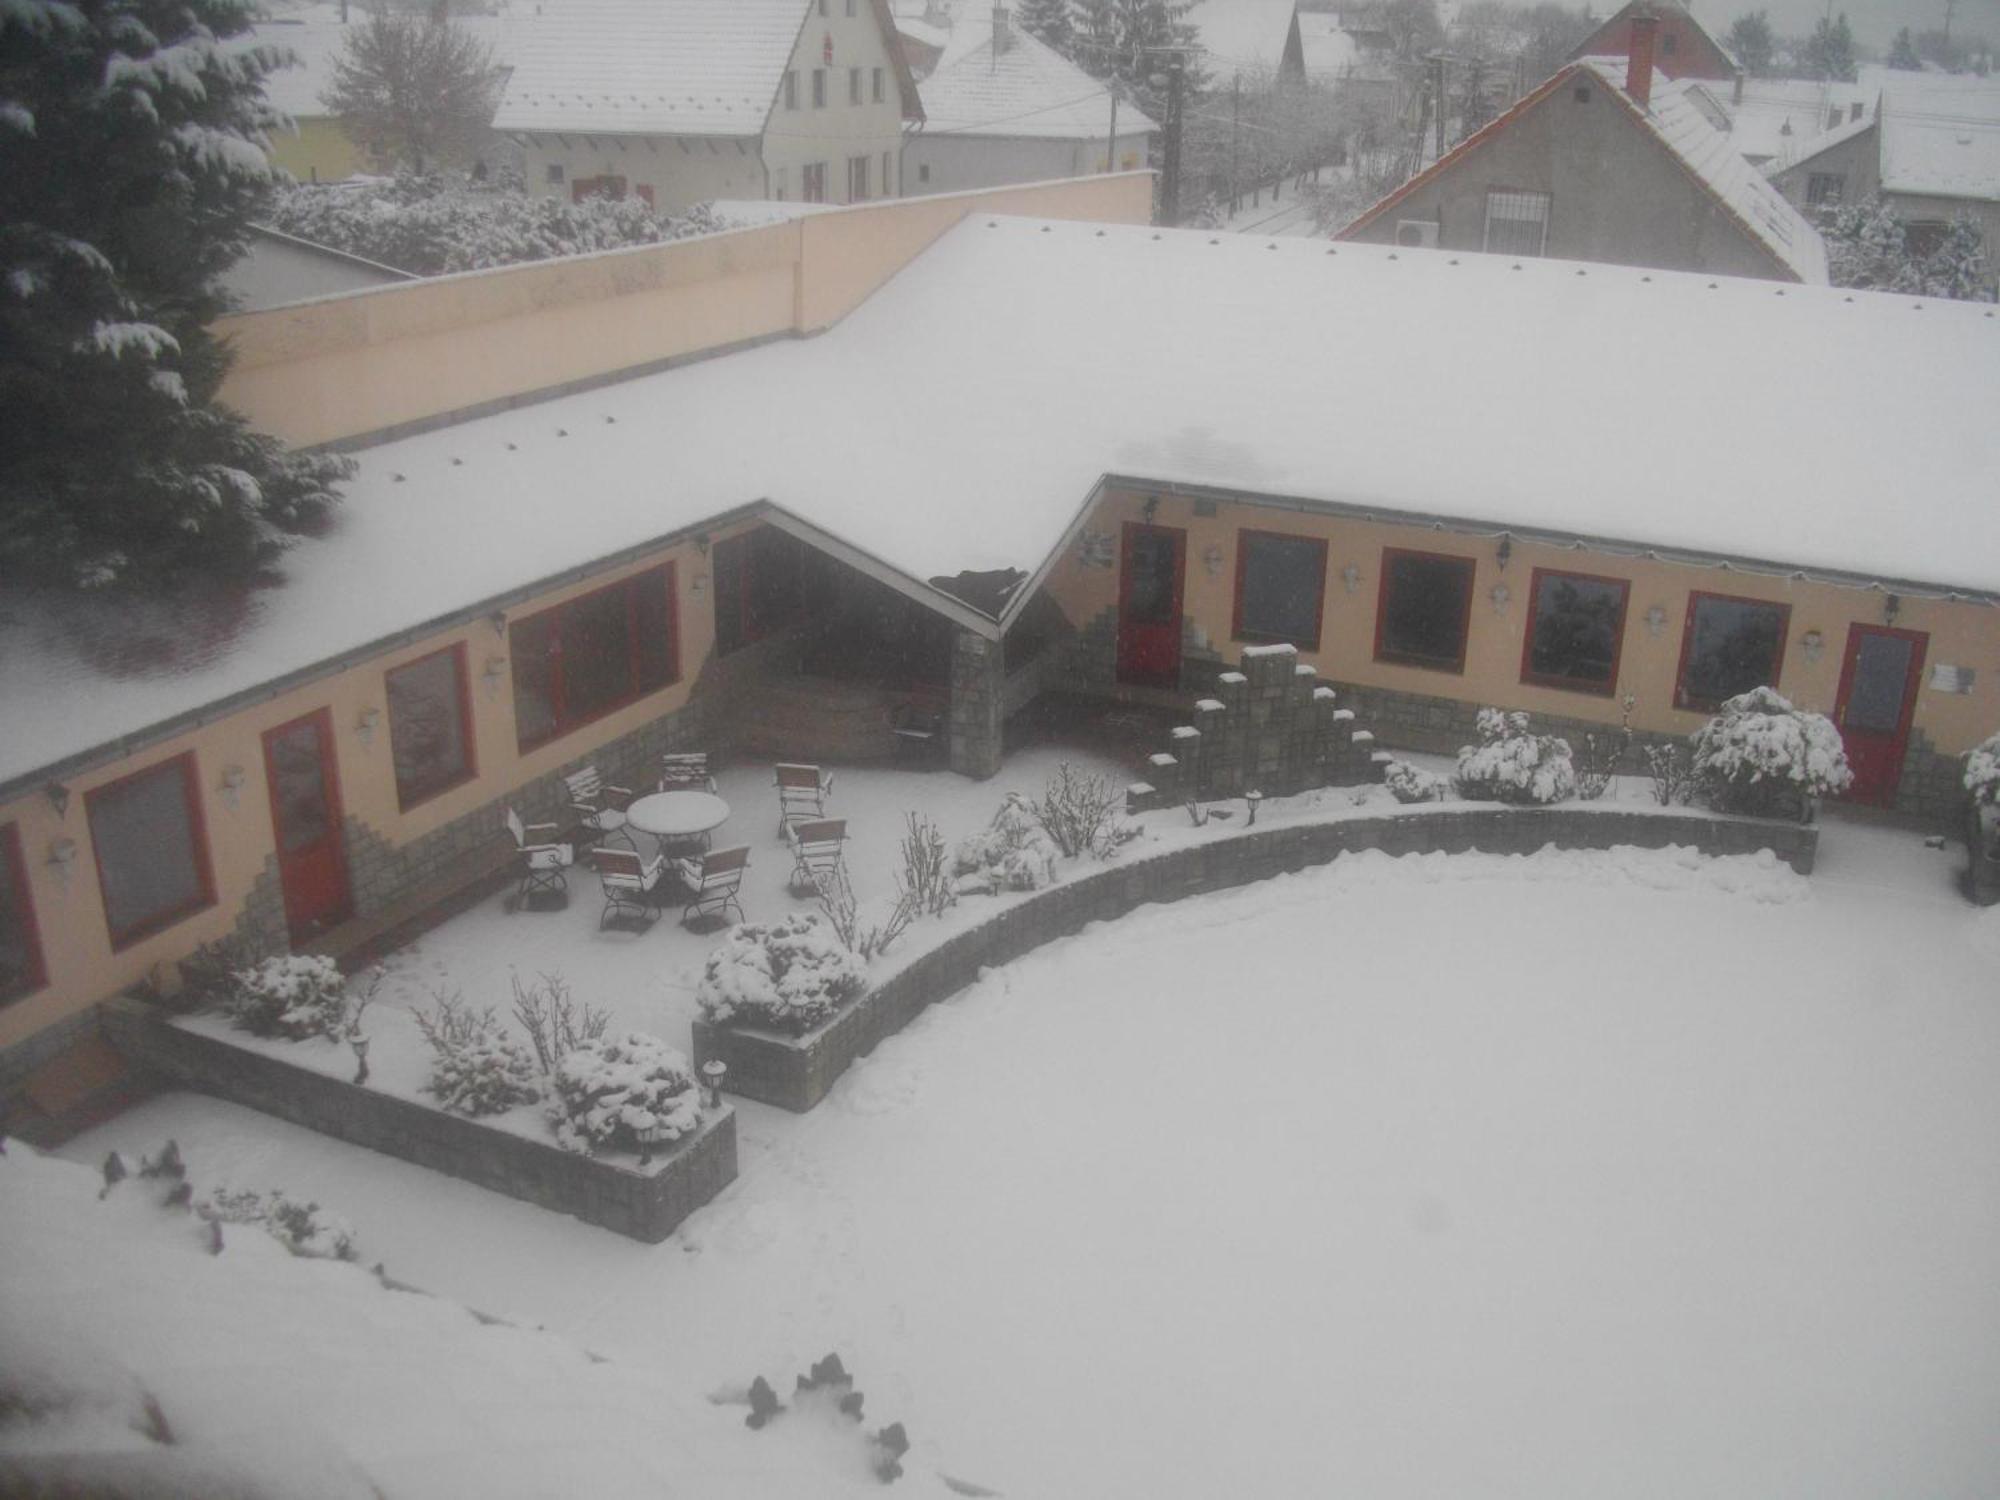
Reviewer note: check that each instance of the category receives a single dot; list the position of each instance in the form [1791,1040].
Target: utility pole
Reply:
[1111,140]
[1235,130]
[1437,93]
[1170,186]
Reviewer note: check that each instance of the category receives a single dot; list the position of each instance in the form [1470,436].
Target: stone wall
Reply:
[640,1204]
[978,701]
[796,1073]
[1933,786]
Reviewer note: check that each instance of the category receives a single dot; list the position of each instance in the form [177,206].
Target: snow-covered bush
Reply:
[788,975]
[1010,854]
[297,995]
[1762,756]
[1408,783]
[1672,768]
[1982,771]
[1509,764]
[302,1228]
[625,1092]
[476,1068]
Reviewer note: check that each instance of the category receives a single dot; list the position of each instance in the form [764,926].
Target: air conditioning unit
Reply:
[1417,233]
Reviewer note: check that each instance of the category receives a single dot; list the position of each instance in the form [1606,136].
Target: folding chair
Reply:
[918,724]
[802,792]
[686,771]
[589,795]
[629,882]
[542,863]
[712,881]
[817,850]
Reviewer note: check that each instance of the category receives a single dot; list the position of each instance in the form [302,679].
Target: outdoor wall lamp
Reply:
[58,796]
[231,785]
[1350,578]
[1211,559]
[496,669]
[1813,644]
[498,620]
[712,1074]
[365,726]
[1151,508]
[1656,620]
[698,585]
[62,854]
[701,543]
[1505,550]
[1892,605]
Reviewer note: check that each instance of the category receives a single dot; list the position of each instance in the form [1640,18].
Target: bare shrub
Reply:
[554,1024]
[476,1068]
[926,884]
[843,914]
[1079,811]
[1672,770]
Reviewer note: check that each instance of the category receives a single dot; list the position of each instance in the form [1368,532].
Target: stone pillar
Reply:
[978,668]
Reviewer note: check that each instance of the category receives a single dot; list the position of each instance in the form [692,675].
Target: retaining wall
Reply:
[796,1073]
[641,1204]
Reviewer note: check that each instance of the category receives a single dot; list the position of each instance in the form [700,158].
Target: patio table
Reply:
[677,815]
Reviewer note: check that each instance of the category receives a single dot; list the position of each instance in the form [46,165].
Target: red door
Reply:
[305,813]
[1878,695]
[1151,569]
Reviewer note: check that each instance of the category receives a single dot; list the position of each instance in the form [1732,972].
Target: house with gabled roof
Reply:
[678,102]
[1605,161]
[1682,46]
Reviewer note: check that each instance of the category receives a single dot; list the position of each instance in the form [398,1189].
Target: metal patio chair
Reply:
[818,848]
[629,882]
[712,881]
[543,861]
[591,796]
[802,793]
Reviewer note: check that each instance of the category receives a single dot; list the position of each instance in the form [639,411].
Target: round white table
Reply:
[668,816]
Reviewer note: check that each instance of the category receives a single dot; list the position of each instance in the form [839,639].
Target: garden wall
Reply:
[796,1073]
[643,1205]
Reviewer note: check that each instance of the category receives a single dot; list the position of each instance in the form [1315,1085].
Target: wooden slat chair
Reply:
[542,859]
[629,882]
[918,725]
[712,881]
[591,796]
[686,771]
[818,847]
[802,792]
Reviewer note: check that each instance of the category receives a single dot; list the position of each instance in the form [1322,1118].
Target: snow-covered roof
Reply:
[1243,34]
[1028,89]
[318,38]
[1467,387]
[1783,119]
[1945,146]
[1327,48]
[650,67]
[1675,117]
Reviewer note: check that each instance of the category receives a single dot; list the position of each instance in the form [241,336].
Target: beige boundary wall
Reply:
[344,368]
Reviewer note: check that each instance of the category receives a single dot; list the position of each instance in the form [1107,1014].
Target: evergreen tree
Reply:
[1829,52]
[1866,246]
[418,91]
[1903,54]
[1130,42]
[1049,21]
[131,164]
[1751,39]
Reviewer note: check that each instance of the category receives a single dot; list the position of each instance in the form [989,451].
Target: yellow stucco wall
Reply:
[318,151]
[1964,634]
[80,965]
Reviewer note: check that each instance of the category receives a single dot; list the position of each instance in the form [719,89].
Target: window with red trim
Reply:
[1425,609]
[21,971]
[430,725]
[1280,588]
[152,851]
[757,586]
[1729,646]
[1576,629]
[593,656]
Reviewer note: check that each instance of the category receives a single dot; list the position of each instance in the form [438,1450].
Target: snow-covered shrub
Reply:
[1762,756]
[302,1228]
[788,975]
[1408,783]
[1672,768]
[1509,764]
[622,1093]
[296,995]
[476,1068]
[208,975]
[1010,854]
[1079,812]
[1982,771]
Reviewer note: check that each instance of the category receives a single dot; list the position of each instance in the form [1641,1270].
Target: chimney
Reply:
[1002,38]
[1736,92]
[1639,59]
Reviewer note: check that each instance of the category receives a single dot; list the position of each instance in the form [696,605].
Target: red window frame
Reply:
[1682,698]
[564,723]
[184,764]
[1394,658]
[466,738]
[1244,536]
[17,876]
[1570,684]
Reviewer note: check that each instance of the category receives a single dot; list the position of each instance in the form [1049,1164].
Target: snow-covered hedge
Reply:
[1012,853]
[1511,765]
[1982,771]
[1408,783]
[789,975]
[302,1228]
[622,1093]
[297,996]
[1762,756]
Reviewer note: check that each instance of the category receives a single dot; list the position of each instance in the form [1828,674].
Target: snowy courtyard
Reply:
[1572,1175]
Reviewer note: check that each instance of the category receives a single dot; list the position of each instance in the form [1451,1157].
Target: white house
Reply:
[681,101]
[1001,107]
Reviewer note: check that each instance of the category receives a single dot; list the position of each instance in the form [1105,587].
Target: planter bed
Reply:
[614,1193]
[795,1073]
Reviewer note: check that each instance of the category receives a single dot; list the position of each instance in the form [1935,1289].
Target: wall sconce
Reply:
[496,671]
[230,784]
[1892,605]
[1211,559]
[62,854]
[1505,550]
[701,543]
[1656,620]
[1151,508]
[1350,578]
[498,620]
[366,725]
[698,585]
[1813,644]
[58,796]
[1499,595]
